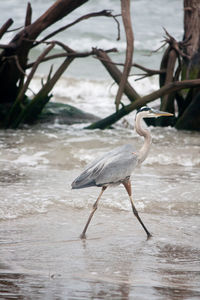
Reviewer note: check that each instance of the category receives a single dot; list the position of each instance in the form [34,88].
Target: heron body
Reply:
[112,168]
[117,165]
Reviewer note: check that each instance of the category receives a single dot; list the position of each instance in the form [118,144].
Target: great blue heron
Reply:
[117,165]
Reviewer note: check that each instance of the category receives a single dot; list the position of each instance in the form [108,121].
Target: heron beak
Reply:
[159,113]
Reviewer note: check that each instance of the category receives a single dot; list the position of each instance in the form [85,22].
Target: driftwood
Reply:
[126,17]
[5,27]
[14,57]
[116,74]
[178,75]
[23,42]
[105,13]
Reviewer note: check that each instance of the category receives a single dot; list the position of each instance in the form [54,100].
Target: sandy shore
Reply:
[42,257]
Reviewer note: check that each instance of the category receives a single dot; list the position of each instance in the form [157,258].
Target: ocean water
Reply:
[38,166]
[41,217]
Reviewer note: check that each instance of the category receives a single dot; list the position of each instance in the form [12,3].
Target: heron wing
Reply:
[112,167]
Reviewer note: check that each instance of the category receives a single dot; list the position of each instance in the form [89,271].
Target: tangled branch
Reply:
[126,17]
[105,13]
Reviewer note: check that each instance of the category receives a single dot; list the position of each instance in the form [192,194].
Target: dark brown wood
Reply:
[105,13]
[126,17]
[22,43]
[5,27]
[192,34]
[167,101]
[192,26]
[57,11]
[116,74]
[71,53]
[14,57]
[28,15]
[189,117]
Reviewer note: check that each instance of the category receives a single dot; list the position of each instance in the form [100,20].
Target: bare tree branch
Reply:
[116,74]
[8,46]
[15,57]
[149,72]
[30,76]
[25,86]
[42,96]
[105,13]
[126,16]
[28,15]
[176,45]
[72,54]
[5,26]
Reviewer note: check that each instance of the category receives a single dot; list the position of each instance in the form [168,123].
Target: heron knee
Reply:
[95,206]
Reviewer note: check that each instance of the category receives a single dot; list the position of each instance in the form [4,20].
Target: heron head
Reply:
[147,112]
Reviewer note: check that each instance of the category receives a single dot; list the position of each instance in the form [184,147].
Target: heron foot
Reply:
[83,236]
[149,235]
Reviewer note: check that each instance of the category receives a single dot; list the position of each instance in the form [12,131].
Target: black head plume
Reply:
[144,108]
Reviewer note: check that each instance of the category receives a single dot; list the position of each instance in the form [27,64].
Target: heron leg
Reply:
[127,185]
[95,206]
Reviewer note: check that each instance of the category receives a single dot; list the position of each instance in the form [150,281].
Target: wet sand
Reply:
[42,256]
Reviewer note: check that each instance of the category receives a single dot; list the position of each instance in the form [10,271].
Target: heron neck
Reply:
[143,152]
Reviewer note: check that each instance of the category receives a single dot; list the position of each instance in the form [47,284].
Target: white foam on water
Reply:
[180,160]
[86,44]
[93,96]
[32,160]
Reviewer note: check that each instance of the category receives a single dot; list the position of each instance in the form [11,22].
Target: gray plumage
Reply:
[112,168]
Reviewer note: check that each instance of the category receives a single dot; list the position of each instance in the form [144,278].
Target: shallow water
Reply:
[44,259]
[42,256]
